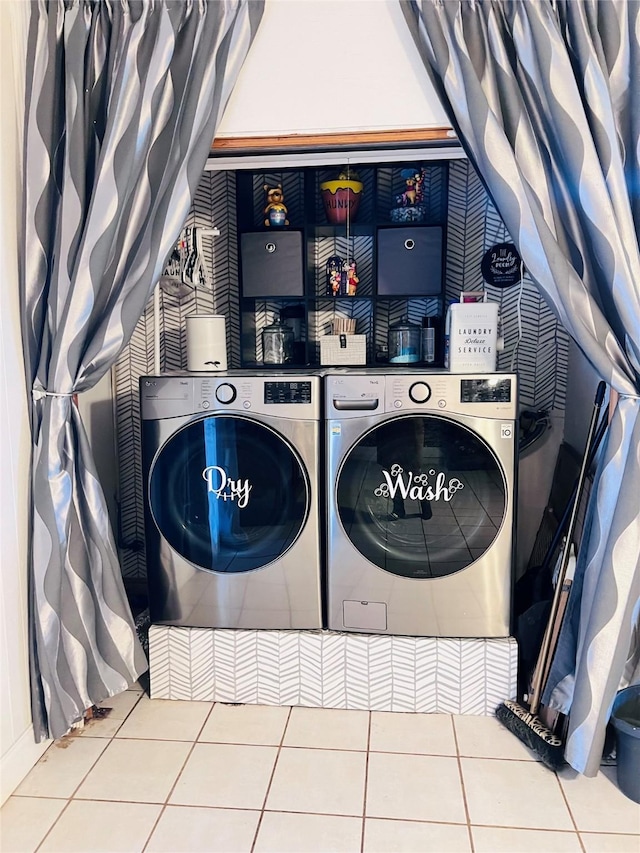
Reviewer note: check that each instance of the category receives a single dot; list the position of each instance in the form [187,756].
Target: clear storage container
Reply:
[404,342]
[277,344]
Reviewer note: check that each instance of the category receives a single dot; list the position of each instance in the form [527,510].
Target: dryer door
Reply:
[421,496]
[228,494]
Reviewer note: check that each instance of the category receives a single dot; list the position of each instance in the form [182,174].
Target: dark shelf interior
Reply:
[285,279]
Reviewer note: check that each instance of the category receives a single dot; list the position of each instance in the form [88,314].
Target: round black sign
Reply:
[501,265]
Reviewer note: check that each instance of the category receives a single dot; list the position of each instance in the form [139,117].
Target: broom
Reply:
[521,720]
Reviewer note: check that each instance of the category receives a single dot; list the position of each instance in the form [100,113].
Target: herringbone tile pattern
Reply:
[329,670]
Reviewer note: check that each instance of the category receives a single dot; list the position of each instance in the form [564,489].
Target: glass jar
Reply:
[404,342]
[277,344]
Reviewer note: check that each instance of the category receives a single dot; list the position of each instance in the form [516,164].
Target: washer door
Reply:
[228,494]
[421,496]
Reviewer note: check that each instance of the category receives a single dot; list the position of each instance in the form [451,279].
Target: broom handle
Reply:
[562,606]
[545,648]
[559,534]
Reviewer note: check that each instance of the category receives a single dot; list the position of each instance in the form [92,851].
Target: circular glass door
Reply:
[228,494]
[421,496]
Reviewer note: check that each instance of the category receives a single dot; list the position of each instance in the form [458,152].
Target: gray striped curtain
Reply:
[545,97]
[123,99]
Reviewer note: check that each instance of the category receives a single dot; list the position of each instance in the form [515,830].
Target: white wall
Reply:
[318,66]
[18,750]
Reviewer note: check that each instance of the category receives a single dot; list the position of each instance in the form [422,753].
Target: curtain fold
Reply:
[123,99]
[544,97]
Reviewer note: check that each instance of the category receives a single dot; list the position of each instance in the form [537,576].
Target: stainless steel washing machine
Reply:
[421,474]
[231,467]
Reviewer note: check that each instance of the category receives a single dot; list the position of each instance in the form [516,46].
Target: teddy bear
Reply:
[275,211]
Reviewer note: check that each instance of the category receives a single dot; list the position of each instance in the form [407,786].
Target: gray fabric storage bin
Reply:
[410,261]
[272,263]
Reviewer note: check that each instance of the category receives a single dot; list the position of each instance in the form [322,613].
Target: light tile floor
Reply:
[156,776]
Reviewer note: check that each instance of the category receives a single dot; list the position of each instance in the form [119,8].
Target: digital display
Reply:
[287,392]
[485,390]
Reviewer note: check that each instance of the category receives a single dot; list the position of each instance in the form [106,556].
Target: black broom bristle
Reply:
[533,733]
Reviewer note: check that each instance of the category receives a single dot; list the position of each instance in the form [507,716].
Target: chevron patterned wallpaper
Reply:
[327,670]
[535,344]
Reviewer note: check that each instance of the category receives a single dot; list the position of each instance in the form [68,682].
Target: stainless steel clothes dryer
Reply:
[420,493]
[231,467]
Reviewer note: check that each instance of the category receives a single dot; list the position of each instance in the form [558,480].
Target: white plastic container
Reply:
[206,342]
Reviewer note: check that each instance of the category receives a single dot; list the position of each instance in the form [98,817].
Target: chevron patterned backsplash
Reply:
[430,675]
[540,357]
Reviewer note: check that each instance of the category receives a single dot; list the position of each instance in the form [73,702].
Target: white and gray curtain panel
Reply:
[123,99]
[545,98]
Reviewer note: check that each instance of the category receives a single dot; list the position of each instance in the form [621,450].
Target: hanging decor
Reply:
[341,197]
[502,265]
[186,268]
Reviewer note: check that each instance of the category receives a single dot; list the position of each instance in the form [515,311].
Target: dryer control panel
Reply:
[295,397]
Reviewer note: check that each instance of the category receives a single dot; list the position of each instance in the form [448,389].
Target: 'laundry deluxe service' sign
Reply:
[473,337]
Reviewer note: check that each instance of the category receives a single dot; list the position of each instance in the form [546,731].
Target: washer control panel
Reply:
[487,390]
[485,396]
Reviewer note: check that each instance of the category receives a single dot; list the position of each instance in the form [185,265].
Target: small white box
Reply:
[473,335]
[343,349]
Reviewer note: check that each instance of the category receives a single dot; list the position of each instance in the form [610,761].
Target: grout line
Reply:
[184,764]
[84,778]
[206,720]
[524,828]
[462,787]
[273,773]
[179,774]
[371,817]
[287,746]
[264,809]
[366,784]
[602,832]
[573,820]
[49,831]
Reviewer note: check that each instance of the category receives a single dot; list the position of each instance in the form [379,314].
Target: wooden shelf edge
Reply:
[325,141]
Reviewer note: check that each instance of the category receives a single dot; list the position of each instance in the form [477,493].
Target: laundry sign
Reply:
[226,488]
[473,337]
[502,265]
[431,486]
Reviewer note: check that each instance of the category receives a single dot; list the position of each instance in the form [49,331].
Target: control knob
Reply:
[419,392]
[226,393]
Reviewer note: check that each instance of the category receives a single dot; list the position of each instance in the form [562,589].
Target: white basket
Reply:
[343,349]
